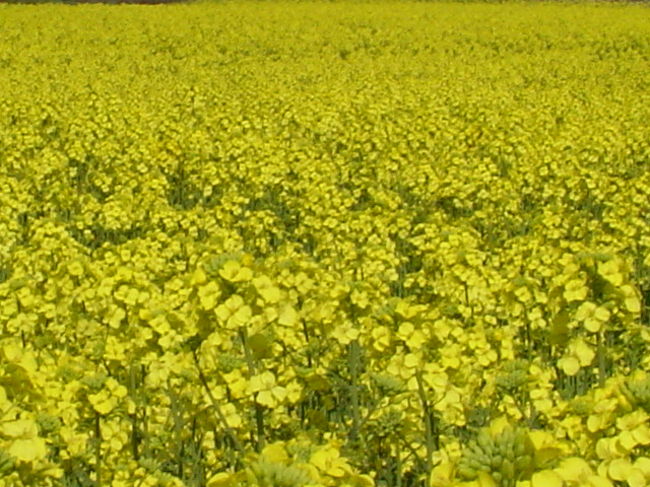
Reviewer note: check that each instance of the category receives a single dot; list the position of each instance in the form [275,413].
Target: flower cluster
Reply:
[324,244]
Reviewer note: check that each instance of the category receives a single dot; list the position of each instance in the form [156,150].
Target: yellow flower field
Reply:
[326,244]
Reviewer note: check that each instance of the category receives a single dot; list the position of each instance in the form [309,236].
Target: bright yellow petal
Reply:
[336,469]
[275,452]
[270,294]
[610,271]
[321,459]
[265,398]
[627,440]
[636,478]
[208,295]
[633,304]
[602,314]
[75,268]
[222,479]
[584,353]
[241,317]
[546,478]
[643,464]
[230,270]
[28,450]
[574,469]
[620,469]
[569,365]
[593,325]
[596,481]
[20,428]
[288,316]
[575,290]
[279,393]
[585,311]
[223,313]
[486,480]
[102,403]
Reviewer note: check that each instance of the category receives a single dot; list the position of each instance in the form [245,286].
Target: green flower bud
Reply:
[507,469]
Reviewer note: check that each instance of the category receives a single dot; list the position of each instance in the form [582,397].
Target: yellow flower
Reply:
[546,478]
[208,295]
[328,461]
[575,290]
[345,333]
[234,314]
[611,271]
[266,289]
[268,393]
[232,271]
[592,316]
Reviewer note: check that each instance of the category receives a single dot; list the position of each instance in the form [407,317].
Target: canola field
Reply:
[342,244]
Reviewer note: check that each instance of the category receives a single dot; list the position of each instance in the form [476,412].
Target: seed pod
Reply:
[484,459]
[475,464]
[524,464]
[519,448]
[505,449]
[485,441]
[496,461]
[507,443]
[507,469]
[261,346]
[467,473]
[475,450]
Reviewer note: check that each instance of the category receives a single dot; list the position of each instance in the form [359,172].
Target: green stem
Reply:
[178,427]
[222,418]
[353,365]
[133,417]
[98,450]
[259,412]
[601,359]
[398,473]
[428,423]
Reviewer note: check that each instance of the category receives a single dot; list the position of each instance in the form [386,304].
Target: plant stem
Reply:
[259,412]
[98,450]
[601,359]
[353,364]
[222,418]
[428,426]
[133,417]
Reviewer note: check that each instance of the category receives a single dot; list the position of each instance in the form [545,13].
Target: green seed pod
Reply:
[474,464]
[506,442]
[496,461]
[466,472]
[507,469]
[519,448]
[485,460]
[485,441]
[506,450]
[525,461]
[475,449]
[6,462]
[476,454]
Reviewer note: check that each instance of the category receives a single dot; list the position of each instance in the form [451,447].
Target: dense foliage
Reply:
[346,244]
